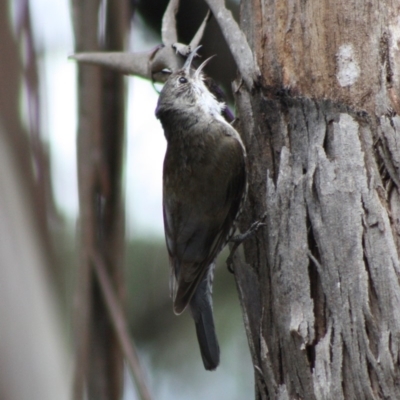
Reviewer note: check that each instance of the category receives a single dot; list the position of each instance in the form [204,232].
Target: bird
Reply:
[204,189]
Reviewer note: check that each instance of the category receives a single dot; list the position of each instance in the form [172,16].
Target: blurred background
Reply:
[39,213]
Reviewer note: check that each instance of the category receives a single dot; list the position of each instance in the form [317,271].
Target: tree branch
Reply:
[150,64]
[236,42]
[119,323]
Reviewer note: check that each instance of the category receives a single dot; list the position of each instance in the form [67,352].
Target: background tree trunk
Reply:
[320,288]
[33,349]
[99,361]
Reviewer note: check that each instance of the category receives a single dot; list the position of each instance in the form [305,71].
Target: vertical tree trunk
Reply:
[32,350]
[320,288]
[100,144]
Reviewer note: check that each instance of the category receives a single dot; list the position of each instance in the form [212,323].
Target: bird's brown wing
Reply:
[200,206]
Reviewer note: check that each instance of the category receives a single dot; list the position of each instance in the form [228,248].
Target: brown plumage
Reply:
[204,185]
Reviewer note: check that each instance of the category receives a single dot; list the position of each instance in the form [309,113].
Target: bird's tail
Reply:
[202,313]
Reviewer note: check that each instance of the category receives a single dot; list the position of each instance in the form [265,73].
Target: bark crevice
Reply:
[327,238]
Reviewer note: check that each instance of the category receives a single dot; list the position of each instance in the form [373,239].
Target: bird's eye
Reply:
[182,79]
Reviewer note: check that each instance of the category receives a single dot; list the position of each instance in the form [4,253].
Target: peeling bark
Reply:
[327,263]
[322,137]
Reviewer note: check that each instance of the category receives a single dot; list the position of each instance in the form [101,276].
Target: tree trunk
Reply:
[33,351]
[99,361]
[320,288]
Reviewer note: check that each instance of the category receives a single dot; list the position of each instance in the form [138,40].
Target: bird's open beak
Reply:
[203,64]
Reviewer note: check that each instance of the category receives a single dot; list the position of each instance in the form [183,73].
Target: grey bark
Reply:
[320,283]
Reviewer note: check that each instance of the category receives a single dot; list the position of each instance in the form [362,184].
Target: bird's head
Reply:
[185,89]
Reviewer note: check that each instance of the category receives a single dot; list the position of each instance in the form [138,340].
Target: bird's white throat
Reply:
[207,101]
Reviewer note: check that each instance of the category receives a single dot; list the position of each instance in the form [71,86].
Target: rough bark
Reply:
[320,287]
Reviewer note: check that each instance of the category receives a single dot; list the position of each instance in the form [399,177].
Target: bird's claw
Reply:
[239,239]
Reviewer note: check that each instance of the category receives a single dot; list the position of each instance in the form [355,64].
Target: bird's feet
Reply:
[239,239]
